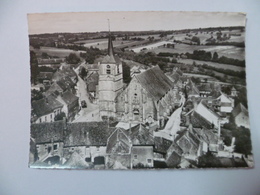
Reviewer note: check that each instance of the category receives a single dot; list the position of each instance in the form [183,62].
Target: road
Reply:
[173,124]
[91,113]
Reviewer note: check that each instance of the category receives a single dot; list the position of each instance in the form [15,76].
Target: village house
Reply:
[89,140]
[48,138]
[65,71]
[64,141]
[241,116]
[70,104]
[131,148]
[45,78]
[118,150]
[234,92]
[45,109]
[226,104]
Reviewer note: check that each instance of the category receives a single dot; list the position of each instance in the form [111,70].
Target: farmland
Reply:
[59,52]
[213,64]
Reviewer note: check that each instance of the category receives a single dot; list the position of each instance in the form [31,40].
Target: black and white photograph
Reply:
[138,90]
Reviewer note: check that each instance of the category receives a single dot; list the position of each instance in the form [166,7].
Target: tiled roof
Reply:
[238,109]
[119,142]
[140,135]
[86,133]
[65,83]
[45,106]
[161,144]
[155,82]
[188,142]
[69,97]
[206,135]
[47,132]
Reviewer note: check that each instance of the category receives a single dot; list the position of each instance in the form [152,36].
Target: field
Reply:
[227,51]
[59,52]
[213,64]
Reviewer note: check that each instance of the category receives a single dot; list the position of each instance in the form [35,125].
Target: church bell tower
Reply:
[110,81]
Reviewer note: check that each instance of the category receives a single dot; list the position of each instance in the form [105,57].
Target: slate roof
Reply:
[45,106]
[188,142]
[119,142]
[65,83]
[206,135]
[238,109]
[161,144]
[140,135]
[47,132]
[156,83]
[69,97]
[86,133]
[192,89]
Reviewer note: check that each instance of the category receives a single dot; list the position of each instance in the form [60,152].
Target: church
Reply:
[150,96]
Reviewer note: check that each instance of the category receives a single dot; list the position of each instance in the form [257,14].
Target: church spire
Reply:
[110,44]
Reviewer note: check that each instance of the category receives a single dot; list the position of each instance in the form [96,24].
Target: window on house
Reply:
[45,118]
[108,69]
[40,120]
[149,160]
[135,156]
[55,147]
[117,69]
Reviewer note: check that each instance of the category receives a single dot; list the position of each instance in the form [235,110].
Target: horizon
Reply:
[93,22]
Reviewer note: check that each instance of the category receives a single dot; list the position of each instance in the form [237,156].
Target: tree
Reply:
[34,67]
[215,57]
[72,59]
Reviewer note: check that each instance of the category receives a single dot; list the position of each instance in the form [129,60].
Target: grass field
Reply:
[227,51]
[213,64]
[59,52]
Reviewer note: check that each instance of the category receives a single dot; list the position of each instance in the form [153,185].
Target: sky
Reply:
[130,21]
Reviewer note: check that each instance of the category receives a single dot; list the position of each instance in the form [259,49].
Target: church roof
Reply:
[155,82]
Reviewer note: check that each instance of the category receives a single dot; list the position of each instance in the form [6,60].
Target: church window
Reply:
[108,69]
[136,111]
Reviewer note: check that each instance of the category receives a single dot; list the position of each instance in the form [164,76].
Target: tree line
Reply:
[207,56]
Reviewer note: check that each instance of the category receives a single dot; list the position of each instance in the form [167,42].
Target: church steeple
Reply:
[110,46]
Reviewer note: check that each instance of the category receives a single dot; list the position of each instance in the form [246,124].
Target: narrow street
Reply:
[91,112]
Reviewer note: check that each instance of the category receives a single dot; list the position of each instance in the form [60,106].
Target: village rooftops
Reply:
[86,134]
[119,142]
[47,132]
[140,135]
[69,97]
[161,145]
[45,106]
[156,83]
[238,109]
